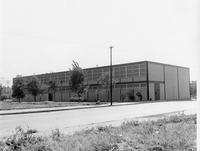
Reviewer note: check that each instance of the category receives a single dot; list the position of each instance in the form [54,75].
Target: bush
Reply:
[3,97]
[21,139]
[131,95]
[139,95]
[175,133]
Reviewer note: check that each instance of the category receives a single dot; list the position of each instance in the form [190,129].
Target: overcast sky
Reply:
[41,36]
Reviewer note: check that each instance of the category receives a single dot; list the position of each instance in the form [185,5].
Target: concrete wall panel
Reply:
[171,82]
[57,97]
[92,95]
[162,91]
[183,80]
[155,72]
[116,94]
[151,91]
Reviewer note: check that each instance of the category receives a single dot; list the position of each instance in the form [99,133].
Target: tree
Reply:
[139,95]
[77,79]
[131,95]
[18,89]
[1,88]
[34,87]
[104,83]
[52,87]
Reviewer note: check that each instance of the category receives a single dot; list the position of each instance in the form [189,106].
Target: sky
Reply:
[42,36]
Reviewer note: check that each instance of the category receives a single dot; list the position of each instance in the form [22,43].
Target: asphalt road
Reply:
[74,119]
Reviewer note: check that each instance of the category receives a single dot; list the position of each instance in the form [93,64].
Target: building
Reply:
[193,89]
[154,81]
[6,92]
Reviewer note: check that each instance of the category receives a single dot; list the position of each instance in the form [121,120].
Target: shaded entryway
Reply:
[50,97]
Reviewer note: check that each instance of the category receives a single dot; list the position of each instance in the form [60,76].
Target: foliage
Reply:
[21,139]
[35,87]
[18,88]
[1,88]
[139,95]
[77,79]
[104,82]
[52,86]
[193,89]
[131,95]
[162,135]
[12,105]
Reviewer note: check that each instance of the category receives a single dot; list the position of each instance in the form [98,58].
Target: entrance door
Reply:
[157,91]
[50,97]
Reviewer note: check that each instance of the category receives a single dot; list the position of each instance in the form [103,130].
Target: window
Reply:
[143,84]
[89,75]
[95,74]
[116,72]
[122,72]
[133,70]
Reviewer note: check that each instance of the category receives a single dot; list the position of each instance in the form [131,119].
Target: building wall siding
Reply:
[151,91]
[156,72]
[184,82]
[171,83]
[162,91]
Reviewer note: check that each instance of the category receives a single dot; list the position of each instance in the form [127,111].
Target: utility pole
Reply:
[111,75]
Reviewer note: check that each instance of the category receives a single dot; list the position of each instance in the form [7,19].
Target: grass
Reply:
[176,133]
[11,105]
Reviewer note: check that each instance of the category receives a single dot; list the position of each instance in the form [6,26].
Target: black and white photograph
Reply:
[99,75]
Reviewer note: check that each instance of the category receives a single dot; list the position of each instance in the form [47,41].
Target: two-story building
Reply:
[154,81]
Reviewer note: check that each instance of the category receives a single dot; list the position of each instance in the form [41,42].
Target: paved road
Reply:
[65,120]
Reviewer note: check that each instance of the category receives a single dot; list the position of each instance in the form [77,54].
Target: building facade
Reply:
[154,81]
[6,92]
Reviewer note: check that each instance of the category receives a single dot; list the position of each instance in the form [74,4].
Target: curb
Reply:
[41,110]
[52,110]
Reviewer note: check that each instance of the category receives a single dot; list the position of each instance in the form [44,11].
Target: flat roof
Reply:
[115,65]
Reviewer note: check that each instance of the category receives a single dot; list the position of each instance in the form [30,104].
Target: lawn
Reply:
[175,133]
[10,105]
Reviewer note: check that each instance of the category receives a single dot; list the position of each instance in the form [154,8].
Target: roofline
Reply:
[116,65]
[167,64]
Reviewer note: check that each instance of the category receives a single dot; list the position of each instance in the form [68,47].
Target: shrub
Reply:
[175,133]
[131,95]
[139,95]
[21,139]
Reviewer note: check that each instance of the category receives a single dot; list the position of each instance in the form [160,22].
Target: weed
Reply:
[175,133]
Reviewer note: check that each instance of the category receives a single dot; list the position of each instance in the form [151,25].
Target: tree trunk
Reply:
[54,96]
[108,95]
[19,100]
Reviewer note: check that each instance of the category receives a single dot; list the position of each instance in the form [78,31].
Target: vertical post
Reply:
[147,70]
[111,75]
[61,90]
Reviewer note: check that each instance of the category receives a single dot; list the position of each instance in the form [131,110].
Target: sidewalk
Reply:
[54,109]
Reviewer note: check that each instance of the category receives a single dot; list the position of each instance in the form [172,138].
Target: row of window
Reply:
[135,70]
[124,86]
